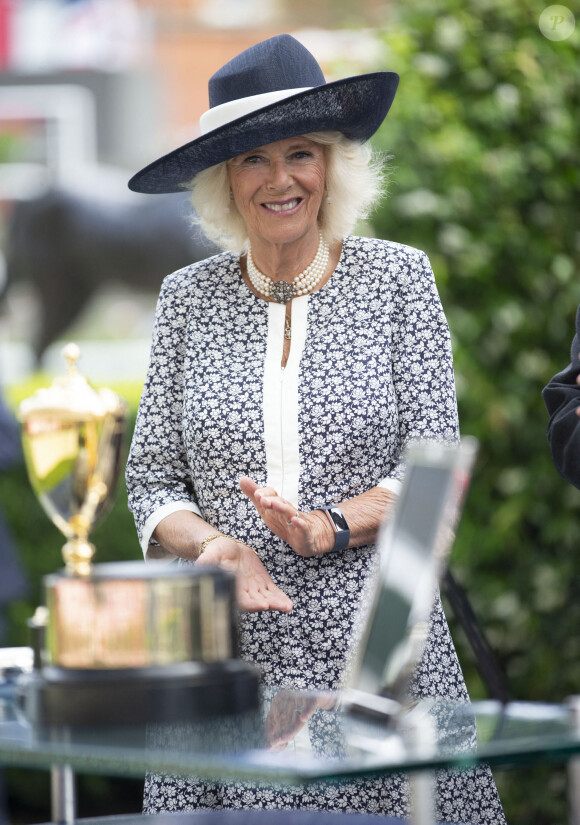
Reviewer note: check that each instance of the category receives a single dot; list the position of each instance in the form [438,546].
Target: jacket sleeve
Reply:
[422,361]
[562,397]
[157,475]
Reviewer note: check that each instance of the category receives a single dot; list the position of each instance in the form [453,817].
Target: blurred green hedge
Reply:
[484,136]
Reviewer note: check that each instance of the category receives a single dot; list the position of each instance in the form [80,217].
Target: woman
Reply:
[287,375]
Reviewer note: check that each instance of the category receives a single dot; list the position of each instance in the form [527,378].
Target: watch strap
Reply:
[342,531]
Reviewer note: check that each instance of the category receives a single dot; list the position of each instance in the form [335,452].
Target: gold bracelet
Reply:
[207,540]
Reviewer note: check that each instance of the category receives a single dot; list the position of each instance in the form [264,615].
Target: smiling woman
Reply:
[278,190]
[282,392]
[354,184]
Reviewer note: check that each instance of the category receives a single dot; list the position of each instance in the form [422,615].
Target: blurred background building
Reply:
[90,91]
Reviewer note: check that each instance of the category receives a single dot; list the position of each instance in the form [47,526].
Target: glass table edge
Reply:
[260,765]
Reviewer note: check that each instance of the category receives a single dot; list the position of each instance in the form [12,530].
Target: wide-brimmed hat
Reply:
[271,91]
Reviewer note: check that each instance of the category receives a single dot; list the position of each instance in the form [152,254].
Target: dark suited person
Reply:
[562,398]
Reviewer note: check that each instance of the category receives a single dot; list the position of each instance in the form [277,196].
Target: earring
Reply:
[328,199]
[231,195]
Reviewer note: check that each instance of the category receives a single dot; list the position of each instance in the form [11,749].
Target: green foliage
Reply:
[484,134]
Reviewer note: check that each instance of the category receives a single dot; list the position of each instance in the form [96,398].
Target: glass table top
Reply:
[298,737]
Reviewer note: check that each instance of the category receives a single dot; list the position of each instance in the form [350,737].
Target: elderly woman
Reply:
[287,375]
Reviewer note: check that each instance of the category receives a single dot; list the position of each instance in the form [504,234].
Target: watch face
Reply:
[340,524]
[338,519]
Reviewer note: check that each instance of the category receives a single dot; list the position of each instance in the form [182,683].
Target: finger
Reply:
[249,604]
[265,496]
[254,492]
[252,599]
[248,486]
[281,602]
[278,600]
[296,521]
[285,508]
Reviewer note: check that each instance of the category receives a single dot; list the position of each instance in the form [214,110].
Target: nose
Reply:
[279,177]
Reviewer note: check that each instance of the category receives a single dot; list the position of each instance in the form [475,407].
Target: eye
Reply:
[251,160]
[245,160]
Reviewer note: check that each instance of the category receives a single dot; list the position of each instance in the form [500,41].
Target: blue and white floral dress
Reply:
[369,368]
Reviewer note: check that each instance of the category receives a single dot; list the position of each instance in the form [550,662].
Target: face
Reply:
[278,190]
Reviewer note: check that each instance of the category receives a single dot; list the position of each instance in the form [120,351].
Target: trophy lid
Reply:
[70,396]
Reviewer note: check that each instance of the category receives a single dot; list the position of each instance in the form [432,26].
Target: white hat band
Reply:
[233,109]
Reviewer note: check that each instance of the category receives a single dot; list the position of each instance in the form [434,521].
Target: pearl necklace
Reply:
[282,291]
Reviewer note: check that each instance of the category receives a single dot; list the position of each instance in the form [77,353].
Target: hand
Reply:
[289,712]
[255,589]
[308,534]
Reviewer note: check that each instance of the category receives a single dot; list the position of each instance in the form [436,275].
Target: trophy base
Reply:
[188,691]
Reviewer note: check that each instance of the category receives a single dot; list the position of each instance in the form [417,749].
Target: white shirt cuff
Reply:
[154,551]
[391,484]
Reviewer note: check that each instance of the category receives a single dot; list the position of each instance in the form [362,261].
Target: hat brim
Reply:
[354,106]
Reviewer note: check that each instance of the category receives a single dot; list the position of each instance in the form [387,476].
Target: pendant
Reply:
[287,329]
[282,292]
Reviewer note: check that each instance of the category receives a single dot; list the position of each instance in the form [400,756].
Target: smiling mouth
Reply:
[282,207]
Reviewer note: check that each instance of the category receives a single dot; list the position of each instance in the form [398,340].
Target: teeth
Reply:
[281,207]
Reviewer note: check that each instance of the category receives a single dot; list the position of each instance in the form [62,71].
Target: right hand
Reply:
[255,589]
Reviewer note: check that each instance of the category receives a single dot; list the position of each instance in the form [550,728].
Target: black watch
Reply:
[342,537]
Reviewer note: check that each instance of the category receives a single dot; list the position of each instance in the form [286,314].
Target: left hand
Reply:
[308,534]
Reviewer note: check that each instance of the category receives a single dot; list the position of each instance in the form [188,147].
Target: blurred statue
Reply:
[67,245]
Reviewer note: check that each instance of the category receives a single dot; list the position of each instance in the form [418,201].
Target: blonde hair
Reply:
[355,182]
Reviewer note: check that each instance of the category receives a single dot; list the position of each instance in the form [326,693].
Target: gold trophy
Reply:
[124,641]
[72,436]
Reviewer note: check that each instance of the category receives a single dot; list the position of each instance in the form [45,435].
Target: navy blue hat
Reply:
[271,91]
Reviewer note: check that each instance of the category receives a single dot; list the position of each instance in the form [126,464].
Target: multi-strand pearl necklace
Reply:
[282,291]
